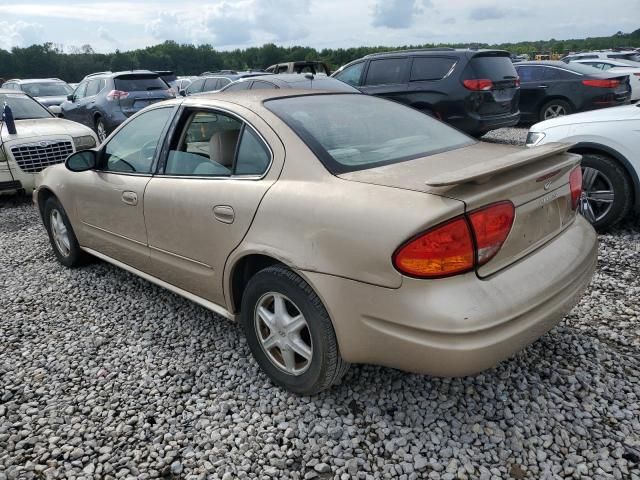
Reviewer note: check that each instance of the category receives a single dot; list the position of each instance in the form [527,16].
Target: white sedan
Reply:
[609,142]
[618,66]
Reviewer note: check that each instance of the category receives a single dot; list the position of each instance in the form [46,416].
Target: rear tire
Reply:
[315,363]
[555,108]
[61,235]
[602,174]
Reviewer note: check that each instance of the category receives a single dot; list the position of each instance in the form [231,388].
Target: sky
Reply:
[108,25]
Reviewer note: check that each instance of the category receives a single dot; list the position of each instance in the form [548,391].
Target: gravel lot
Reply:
[103,375]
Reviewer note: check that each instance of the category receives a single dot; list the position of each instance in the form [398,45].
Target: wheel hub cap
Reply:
[60,233]
[283,333]
[597,196]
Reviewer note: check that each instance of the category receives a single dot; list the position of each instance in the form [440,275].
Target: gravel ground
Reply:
[104,375]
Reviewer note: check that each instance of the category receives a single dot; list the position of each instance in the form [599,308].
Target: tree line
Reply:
[51,60]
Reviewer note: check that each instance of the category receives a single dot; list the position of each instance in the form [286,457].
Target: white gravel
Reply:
[103,375]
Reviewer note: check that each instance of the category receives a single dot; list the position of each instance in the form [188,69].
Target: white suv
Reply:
[609,142]
[40,140]
[632,55]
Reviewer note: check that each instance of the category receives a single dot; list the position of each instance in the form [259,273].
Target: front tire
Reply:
[101,129]
[290,333]
[606,191]
[63,239]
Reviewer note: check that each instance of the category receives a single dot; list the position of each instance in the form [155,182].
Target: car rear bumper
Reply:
[474,124]
[461,325]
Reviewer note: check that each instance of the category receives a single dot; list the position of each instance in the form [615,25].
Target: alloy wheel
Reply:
[553,111]
[101,131]
[283,333]
[60,233]
[597,196]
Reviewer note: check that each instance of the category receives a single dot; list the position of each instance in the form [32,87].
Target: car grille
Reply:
[35,157]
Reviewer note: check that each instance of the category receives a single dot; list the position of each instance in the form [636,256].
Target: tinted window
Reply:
[210,84]
[253,156]
[139,83]
[386,71]
[23,107]
[196,86]
[132,149]
[558,74]
[257,85]
[354,132]
[491,67]
[207,147]
[237,86]
[47,89]
[430,68]
[530,73]
[351,75]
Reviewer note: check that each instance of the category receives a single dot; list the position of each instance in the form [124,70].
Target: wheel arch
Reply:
[241,272]
[44,194]
[589,147]
[550,98]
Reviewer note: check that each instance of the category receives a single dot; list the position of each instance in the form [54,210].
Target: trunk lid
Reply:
[142,90]
[535,180]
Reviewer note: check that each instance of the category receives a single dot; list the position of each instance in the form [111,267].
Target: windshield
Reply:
[23,107]
[355,132]
[47,89]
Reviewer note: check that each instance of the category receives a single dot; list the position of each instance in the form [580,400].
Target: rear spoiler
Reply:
[483,171]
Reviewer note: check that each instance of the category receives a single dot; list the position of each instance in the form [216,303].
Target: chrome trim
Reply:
[180,257]
[214,307]
[115,234]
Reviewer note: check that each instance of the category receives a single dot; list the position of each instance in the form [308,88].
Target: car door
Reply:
[110,199]
[532,88]
[387,77]
[214,172]
[94,87]
[71,108]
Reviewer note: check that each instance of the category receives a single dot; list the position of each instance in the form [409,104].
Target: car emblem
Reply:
[547,185]
[45,143]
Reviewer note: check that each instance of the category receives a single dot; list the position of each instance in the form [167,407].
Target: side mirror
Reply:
[56,110]
[82,161]
[71,97]
[183,93]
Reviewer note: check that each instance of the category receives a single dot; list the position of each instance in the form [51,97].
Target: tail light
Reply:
[636,74]
[478,84]
[517,81]
[601,83]
[456,246]
[117,95]
[491,225]
[575,184]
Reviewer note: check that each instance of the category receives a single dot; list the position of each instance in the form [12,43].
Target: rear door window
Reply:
[558,74]
[211,84]
[131,83]
[93,88]
[386,71]
[238,86]
[431,68]
[530,74]
[258,84]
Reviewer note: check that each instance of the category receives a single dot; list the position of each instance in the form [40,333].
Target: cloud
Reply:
[105,35]
[397,13]
[492,12]
[20,34]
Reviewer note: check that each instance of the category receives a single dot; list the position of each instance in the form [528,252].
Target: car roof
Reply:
[253,99]
[118,74]
[36,80]
[435,51]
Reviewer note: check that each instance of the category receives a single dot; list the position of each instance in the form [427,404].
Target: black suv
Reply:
[104,100]
[473,90]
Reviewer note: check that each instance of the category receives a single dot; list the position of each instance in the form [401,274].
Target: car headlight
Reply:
[534,138]
[84,143]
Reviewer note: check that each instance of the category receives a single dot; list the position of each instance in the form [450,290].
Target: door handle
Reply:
[130,198]
[543,86]
[224,213]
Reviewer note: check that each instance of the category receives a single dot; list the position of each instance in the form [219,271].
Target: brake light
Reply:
[478,84]
[117,95]
[601,83]
[457,246]
[491,225]
[575,184]
[517,81]
[440,252]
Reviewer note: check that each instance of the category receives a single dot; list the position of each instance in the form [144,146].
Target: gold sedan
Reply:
[337,228]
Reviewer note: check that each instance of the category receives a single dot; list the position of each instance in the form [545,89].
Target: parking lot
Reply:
[105,375]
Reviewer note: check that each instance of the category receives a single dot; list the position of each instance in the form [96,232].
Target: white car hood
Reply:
[612,114]
[45,127]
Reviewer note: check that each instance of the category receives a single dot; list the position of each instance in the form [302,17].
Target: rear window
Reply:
[356,132]
[386,71]
[47,89]
[493,68]
[431,68]
[139,83]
